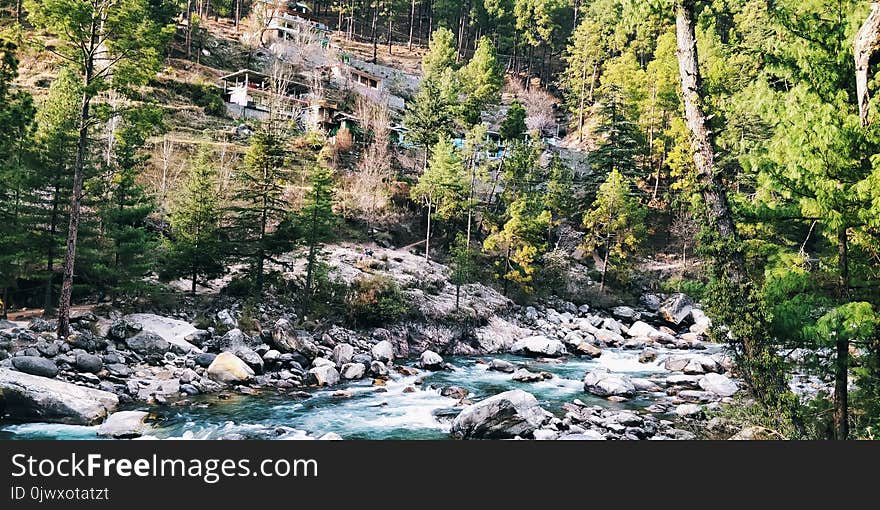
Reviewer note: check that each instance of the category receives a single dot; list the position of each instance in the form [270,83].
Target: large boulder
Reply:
[501,365]
[325,375]
[299,341]
[506,415]
[430,360]
[229,369]
[718,384]
[342,354]
[124,425]
[608,384]
[353,371]
[539,345]
[171,330]
[676,308]
[86,362]
[148,344]
[383,351]
[35,365]
[29,397]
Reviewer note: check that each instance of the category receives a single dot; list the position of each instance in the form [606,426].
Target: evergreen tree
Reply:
[615,225]
[620,140]
[514,125]
[16,116]
[481,81]
[441,55]
[443,187]
[90,32]
[55,151]
[128,248]
[196,248]
[260,203]
[317,220]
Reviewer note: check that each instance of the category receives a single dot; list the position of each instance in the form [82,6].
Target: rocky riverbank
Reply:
[145,360]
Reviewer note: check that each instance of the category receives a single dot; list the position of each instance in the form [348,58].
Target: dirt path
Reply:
[29,313]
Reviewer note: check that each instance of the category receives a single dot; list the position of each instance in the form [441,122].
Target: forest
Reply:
[591,152]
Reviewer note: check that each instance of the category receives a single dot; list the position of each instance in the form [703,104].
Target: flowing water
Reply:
[370,412]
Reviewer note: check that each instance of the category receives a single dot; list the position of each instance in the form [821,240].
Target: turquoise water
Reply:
[367,412]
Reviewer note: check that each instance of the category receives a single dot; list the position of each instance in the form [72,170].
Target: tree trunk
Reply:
[412,22]
[373,33]
[75,202]
[428,235]
[704,155]
[866,42]
[841,373]
[189,23]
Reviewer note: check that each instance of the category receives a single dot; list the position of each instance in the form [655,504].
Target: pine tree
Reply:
[128,248]
[481,81]
[196,248]
[441,55]
[520,242]
[89,32]
[16,116]
[429,116]
[55,151]
[615,224]
[443,187]
[620,141]
[514,125]
[317,220]
[260,204]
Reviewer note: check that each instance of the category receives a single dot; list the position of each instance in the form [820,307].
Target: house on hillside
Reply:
[252,94]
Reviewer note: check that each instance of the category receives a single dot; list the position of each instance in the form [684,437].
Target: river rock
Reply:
[383,351]
[523,375]
[718,384]
[325,375]
[642,329]
[589,350]
[171,330]
[501,365]
[148,344]
[688,410]
[379,369]
[701,324]
[35,365]
[430,360]
[353,371]
[86,362]
[608,337]
[456,392]
[754,433]
[249,356]
[204,359]
[623,312]
[607,384]
[506,415]
[29,397]
[647,356]
[676,308]
[342,354]
[647,385]
[587,435]
[650,301]
[124,425]
[229,369]
[539,345]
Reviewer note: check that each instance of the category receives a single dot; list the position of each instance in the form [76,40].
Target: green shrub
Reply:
[693,288]
[239,287]
[377,300]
